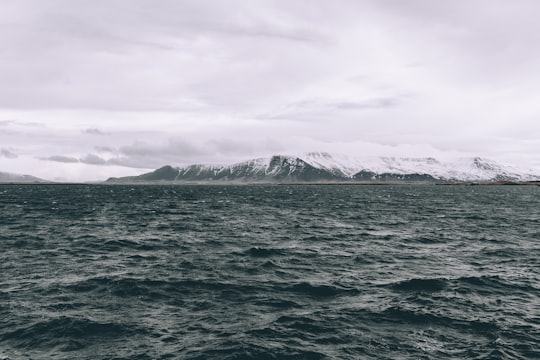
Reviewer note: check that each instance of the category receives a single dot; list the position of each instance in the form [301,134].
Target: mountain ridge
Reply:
[8,178]
[324,167]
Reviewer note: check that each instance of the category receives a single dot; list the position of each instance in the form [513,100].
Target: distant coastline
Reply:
[263,183]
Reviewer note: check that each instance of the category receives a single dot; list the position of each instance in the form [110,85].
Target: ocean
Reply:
[269,272]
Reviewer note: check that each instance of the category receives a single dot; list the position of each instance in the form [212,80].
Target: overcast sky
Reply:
[97,88]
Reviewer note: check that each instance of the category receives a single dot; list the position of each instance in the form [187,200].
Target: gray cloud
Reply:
[93,131]
[232,55]
[7,153]
[90,159]
[143,149]
[61,158]
[382,103]
[105,149]
[182,151]
[73,54]
[93,159]
[174,151]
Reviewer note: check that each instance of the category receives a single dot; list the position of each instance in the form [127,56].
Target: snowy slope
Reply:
[274,168]
[462,169]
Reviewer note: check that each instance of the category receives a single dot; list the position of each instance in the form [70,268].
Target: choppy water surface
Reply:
[269,272]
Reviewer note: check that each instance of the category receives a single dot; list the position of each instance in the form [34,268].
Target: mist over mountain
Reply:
[325,167]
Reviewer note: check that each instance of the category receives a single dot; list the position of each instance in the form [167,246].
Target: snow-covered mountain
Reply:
[325,167]
[16,178]
[461,169]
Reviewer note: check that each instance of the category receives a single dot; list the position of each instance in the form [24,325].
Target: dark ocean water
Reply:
[269,272]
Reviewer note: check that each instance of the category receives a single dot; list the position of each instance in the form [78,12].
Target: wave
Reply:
[484,285]
[123,244]
[397,314]
[428,285]
[321,291]
[492,285]
[68,332]
[238,349]
[151,290]
[263,252]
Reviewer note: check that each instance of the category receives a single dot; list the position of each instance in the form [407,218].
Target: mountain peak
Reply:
[323,166]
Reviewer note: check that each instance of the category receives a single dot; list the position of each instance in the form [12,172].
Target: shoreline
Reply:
[337,183]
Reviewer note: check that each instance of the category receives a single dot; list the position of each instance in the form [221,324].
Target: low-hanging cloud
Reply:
[172,152]
[7,153]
